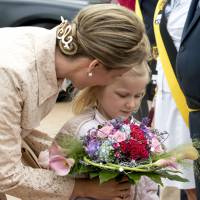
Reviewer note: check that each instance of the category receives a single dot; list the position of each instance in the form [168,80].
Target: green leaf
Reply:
[83,169]
[106,175]
[131,181]
[173,171]
[172,177]
[119,177]
[72,146]
[93,174]
[155,177]
[134,177]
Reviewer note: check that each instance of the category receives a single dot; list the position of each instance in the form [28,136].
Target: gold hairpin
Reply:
[64,34]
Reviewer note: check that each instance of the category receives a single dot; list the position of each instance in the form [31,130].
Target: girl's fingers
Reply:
[124,179]
[124,194]
[124,186]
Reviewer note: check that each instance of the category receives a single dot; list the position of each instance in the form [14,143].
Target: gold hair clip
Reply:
[63,34]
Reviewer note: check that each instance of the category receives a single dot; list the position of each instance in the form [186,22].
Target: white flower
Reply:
[121,169]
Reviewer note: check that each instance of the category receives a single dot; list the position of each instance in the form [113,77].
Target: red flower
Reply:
[136,147]
[138,134]
[124,146]
[116,145]
[138,150]
[117,154]
[126,121]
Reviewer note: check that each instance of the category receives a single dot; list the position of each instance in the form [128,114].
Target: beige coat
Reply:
[28,91]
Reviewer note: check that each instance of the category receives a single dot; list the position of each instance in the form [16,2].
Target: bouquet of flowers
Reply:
[115,149]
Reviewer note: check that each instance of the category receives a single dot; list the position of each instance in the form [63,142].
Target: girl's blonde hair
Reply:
[110,33]
[88,98]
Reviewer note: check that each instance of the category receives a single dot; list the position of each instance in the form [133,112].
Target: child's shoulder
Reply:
[73,125]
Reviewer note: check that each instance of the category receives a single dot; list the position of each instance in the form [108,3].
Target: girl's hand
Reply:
[107,191]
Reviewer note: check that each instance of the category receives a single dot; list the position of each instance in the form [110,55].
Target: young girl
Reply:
[121,98]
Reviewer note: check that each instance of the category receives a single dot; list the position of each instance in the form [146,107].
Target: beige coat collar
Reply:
[48,84]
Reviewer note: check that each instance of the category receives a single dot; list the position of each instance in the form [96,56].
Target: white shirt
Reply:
[167,116]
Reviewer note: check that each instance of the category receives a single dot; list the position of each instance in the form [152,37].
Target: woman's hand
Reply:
[110,190]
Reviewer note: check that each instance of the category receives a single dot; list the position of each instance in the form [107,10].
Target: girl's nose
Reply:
[132,104]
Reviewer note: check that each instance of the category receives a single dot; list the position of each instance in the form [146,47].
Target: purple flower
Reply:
[145,121]
[92,148]
[117,123]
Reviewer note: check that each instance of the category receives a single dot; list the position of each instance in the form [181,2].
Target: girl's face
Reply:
[123,96]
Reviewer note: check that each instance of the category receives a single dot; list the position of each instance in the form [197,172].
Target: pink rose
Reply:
[105,131]
[156,146]
[119,136]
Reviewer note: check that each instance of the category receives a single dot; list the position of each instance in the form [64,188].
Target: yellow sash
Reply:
[139,13]
[167,67]
[138,9]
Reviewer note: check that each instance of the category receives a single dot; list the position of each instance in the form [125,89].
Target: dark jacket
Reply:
[147,8]
[188,66]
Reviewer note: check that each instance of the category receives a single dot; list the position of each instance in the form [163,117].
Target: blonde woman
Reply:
[95,105]
[102,42]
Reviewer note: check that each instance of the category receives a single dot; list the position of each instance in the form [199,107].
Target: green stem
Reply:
[147,165]
[98,165]
[136,169]
[116,167]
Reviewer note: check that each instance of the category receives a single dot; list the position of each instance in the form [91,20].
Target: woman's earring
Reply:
[90,74]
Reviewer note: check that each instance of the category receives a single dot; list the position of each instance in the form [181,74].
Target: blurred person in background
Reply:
[188,72]
[169,21]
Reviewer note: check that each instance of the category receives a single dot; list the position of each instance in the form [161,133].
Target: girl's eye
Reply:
[139,96]
[121,95]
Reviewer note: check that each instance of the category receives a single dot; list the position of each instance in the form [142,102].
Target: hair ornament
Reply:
[64,35]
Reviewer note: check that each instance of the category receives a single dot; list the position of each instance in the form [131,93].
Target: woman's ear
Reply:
[93,64]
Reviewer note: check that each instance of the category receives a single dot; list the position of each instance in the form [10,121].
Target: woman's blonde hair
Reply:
[110,33]
[88,98]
